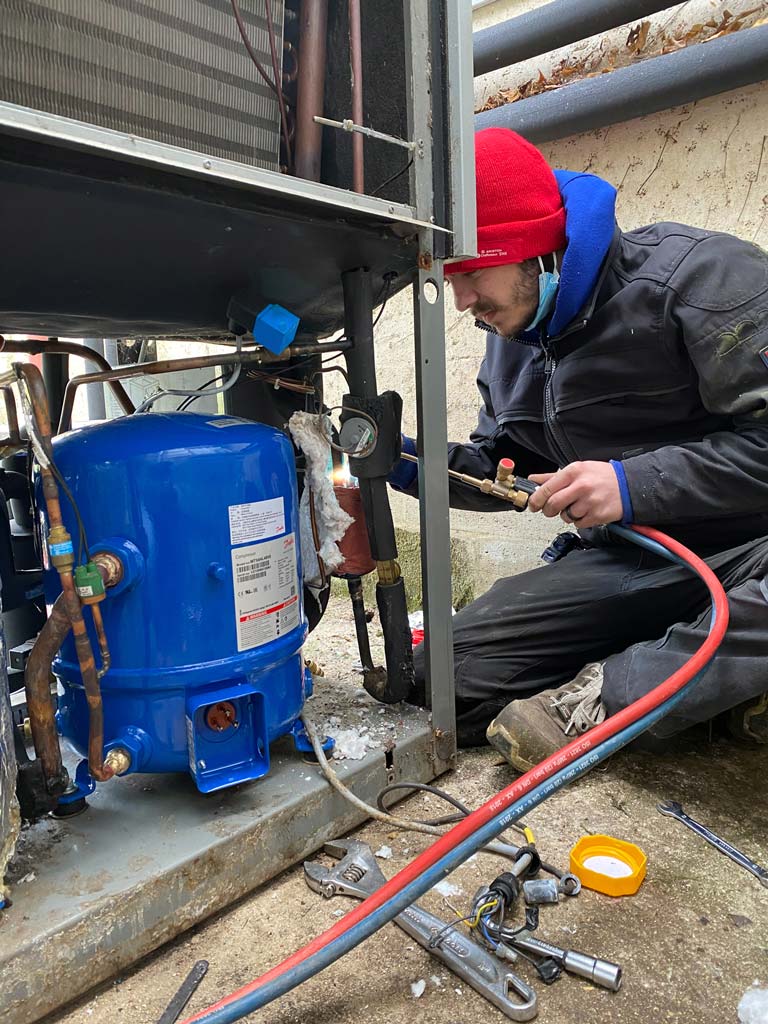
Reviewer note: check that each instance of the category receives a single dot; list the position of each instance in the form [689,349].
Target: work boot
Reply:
[749,721]
[527,731]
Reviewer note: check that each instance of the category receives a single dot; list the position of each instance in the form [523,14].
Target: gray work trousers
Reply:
[623,605]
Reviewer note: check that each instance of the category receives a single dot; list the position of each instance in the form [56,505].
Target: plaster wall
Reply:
[703,163]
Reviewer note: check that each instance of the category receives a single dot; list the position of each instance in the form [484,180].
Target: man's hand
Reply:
[584,493]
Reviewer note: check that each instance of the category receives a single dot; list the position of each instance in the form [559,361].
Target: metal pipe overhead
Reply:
[657,83]
[356,72]
[554,25]
[312,43]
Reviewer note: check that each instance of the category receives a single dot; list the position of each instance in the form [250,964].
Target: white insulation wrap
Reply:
[308,431]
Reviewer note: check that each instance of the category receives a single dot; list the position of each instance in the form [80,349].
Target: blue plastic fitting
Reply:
[275,328]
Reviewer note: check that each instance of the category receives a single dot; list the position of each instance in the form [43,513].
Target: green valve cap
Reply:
[88,582]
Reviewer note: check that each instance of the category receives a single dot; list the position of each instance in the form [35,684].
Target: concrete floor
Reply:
[692,941]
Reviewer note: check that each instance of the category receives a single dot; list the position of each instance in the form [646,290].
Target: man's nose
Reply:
[464,295]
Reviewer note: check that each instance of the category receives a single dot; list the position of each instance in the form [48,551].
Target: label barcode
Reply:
[245,577]
[255,569]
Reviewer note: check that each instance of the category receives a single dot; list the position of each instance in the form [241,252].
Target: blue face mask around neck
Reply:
[548,283]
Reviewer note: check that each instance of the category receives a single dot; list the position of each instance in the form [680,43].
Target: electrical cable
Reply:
[472,919]
[282,382]
[200,393]
[499,848]
[279,382]
[446,819]
[278,86]
[37,446]
[251,52]
[384,296]
[275,85]
[391,178]
[331,369]
[83,539]
[327,435]
[452,849]
[195,392]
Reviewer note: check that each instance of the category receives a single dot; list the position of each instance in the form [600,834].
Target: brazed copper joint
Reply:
[110,567]
[117,761]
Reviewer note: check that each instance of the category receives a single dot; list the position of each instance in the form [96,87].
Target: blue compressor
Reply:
[207,624]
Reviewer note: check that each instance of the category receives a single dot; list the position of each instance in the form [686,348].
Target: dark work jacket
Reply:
[664,369]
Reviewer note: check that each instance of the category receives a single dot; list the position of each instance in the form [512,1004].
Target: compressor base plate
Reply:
[151,857]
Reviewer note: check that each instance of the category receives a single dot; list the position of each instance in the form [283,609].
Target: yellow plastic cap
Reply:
[608,865]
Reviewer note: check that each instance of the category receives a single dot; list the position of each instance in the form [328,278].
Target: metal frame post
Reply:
[429,325]
[461,129]
[429,331]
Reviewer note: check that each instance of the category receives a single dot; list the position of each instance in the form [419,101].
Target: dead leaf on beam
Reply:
[638,37]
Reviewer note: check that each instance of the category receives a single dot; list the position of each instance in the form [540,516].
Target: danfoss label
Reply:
[266,591]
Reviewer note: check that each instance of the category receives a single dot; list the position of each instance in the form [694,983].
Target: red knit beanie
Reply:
[519,211]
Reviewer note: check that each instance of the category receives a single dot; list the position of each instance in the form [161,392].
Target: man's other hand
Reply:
[584,493]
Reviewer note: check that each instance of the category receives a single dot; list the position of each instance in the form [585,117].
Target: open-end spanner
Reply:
[357,874]
[675,810]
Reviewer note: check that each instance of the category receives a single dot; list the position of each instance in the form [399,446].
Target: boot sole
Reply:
[507,746]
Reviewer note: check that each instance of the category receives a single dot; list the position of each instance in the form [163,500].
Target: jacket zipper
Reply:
[557,438]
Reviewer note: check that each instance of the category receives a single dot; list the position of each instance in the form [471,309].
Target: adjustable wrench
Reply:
[675,810]
[357,874]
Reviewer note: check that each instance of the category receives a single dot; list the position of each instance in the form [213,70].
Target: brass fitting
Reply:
[506,490]
[118,760]
[388,571]
[504,471]
[60,549]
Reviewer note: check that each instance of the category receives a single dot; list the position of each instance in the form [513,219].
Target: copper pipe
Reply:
[11,414]
[37,684]
[356,70]
[278,83]
[9,446]
[101,636]
[90,680]
[71,348]
[313,28]
[193,362]
[33,379]
[316,538]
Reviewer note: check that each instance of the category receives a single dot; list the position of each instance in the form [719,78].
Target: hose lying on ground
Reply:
[493,817]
